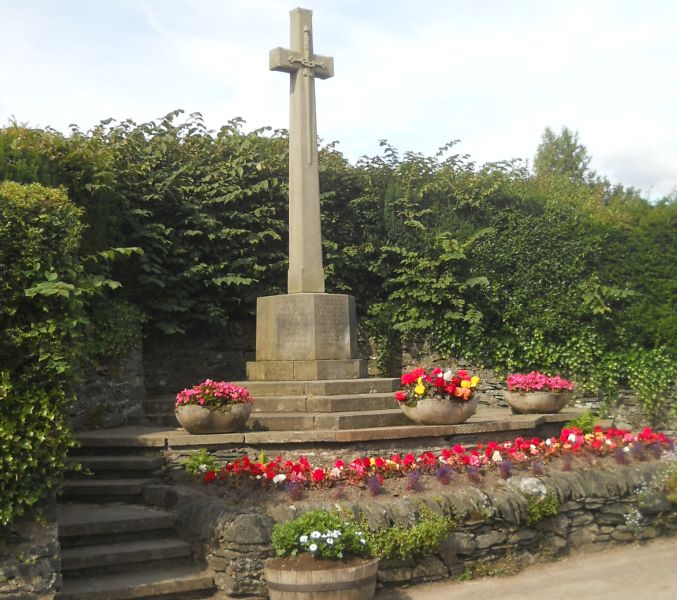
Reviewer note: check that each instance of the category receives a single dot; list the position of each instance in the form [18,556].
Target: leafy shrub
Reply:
[540,507]
[422,539]
[326,535]
[41,315]
[199,462]
[586,422]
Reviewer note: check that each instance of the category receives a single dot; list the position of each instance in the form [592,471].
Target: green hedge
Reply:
[40,316]
[492,263]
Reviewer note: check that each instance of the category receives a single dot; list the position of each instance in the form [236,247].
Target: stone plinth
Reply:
[306,336]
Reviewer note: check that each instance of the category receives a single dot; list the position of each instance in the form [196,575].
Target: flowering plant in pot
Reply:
[213,407]
[320,554]
[537,393]
[438,397]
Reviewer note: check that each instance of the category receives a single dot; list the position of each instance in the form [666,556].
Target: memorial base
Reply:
[306,370]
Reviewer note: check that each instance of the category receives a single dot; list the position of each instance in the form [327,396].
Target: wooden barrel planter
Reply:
[304,578]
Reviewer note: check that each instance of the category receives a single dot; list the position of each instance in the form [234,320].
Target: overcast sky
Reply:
[490,73]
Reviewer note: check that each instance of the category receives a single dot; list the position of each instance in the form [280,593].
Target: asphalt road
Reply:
[630,572]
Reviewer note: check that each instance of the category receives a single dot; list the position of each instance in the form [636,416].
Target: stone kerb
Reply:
[593,507]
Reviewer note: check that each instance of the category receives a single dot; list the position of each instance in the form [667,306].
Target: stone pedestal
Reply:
[306,336]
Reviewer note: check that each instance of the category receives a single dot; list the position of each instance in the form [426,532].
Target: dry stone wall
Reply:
[111,395]
[595,508]
[30,564]
[174,363]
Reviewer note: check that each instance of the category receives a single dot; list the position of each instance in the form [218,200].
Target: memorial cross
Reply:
[306,273]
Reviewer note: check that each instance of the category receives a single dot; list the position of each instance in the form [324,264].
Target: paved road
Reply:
[631,572]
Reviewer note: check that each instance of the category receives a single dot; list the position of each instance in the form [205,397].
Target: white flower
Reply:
[572,437]
[626,449]
[202,468]
[548,442]
[279,478]
[330,540]
[315,535]
[608,442]
[303,539]
[448,375]
[363,541]
[312,547]
[335,473]
[496,456]
[336,533]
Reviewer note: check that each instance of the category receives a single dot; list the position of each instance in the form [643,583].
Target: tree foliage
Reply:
[558,270]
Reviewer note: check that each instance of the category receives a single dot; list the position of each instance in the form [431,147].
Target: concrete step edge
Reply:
[130,586]
[115,553]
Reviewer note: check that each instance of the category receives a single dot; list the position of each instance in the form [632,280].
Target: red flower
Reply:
[462,374]
[209,476]
[318,475]
[401,396]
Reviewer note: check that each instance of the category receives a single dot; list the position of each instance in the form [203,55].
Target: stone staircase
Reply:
[112,546]
[336,404]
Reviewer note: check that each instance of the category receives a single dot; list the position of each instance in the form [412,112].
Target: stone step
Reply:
[82,523]
[111,465]
[175,582]
[326,421]
[323,387]
[351,402]
[112,490]
[116,556]
[160,411]
[361,420]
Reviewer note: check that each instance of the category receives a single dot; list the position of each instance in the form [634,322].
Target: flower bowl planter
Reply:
[199,419]
[537,402]
[304,578]
[433,411]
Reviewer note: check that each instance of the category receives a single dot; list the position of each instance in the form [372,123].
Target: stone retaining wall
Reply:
[30,564]
[111,395]
[173,363]
[596,508]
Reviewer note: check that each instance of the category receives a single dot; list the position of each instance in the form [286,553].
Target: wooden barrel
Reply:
[353,581]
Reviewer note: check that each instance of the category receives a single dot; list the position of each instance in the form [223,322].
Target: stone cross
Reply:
[306,273]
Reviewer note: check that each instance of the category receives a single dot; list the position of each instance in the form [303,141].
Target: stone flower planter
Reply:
[537,402]
[304,578]
[199,419]
[433,411]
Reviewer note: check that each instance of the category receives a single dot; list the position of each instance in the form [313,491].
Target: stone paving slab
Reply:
[486,421]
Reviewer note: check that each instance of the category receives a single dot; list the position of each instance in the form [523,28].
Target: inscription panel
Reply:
[332,327]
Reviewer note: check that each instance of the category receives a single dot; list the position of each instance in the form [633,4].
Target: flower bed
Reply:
[522,520]
[616,445]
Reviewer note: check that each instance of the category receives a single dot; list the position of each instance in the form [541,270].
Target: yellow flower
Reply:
[372,461]
[420,388]
[474,380]
[465,384]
